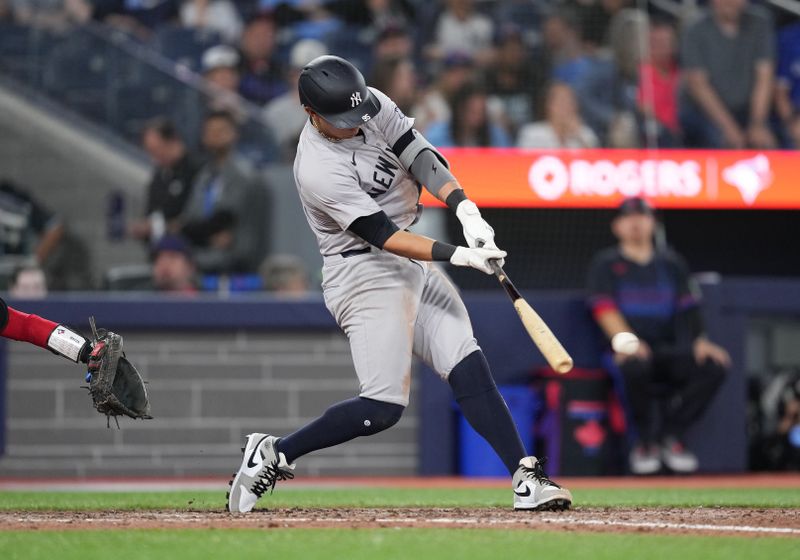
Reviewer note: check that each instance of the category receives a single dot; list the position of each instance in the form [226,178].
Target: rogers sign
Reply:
[550,178]
[714,179]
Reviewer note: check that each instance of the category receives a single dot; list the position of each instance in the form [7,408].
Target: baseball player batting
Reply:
[359,169]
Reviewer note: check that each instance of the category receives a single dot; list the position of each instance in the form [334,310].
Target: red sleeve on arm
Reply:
[601,304]
[27,327]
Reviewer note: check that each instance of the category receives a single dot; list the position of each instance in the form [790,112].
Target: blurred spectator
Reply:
[596,18]
[470,124]
[285,115]
[375,14]
[787,91]
[6,13]
[526,15]
[136,17]
[657,94]
[226,215]
[221,67]
[727,56]
[221,70]
[284,274]
[516,78]
[562,128]
[562,44]
[397,78]
[434,106]
[171,183]
[55,15]
[173,268]
[637,288]
[28,228]
[393,41]
[460,29]
[600,88]
[219,16]
[28,282]
[261,74]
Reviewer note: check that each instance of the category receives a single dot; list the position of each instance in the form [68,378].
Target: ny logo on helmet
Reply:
[355,99]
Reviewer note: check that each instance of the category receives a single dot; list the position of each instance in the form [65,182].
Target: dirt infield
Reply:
[708,521]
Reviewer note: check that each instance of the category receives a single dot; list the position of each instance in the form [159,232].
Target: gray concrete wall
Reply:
[208,390]
[71,170]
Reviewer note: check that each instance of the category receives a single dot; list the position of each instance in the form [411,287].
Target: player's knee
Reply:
[380,415]
[471,376]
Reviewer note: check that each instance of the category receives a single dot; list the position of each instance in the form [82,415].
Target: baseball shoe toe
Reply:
[261,468]
[533,490]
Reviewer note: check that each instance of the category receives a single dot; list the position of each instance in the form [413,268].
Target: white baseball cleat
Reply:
[677,458]
[533,490]
[262,467]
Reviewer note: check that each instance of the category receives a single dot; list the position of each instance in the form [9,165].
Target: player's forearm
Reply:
[783,103]
[762,94]
[27,327]
[708,100]
[612,322]
[410,245]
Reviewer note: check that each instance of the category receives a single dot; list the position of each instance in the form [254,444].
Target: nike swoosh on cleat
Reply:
[250,462]
[524,494]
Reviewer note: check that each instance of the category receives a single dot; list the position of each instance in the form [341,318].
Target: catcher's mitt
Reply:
[115,386]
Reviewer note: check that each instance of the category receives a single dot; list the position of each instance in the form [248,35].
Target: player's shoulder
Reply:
[672,258]
[606,257]
[318,162]
[387,106]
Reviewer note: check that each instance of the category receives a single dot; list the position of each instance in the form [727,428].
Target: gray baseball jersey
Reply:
[389,307]
[341,181]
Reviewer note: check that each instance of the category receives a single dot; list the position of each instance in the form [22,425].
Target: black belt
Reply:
[354,252]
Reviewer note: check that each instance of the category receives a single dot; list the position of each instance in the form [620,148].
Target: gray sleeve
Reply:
[692,47]
[337,194]
[390,119]
[765,39]
[428,170]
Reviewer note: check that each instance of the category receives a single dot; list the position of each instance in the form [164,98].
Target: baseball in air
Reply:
[625,343]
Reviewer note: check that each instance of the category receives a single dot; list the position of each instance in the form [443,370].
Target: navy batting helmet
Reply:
[335,90]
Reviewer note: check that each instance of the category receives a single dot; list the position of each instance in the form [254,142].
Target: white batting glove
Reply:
[477,258]
[475,227]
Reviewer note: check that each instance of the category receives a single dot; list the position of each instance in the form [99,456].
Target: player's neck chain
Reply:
[325,136]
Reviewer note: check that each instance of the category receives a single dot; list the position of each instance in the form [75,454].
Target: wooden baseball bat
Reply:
[540,333]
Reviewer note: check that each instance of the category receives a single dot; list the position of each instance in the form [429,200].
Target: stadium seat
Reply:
[23,51]
[130,277]
[134,105]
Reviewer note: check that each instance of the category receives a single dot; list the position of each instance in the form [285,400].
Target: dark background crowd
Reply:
[539,74]
[532,74]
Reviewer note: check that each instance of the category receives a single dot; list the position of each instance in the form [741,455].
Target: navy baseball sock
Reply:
[485,409]
[340,423]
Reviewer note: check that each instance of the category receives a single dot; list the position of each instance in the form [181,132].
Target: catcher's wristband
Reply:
[68,343]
